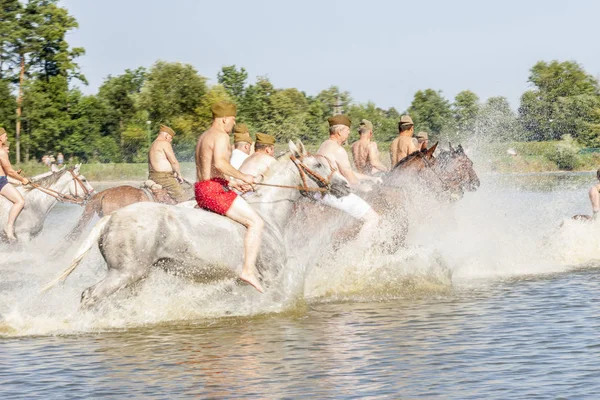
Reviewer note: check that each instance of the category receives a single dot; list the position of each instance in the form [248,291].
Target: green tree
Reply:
[171,90]
[565,101]
[233,81]
[430,112]
[497,121]
[255,108]
[465,110]
[334,100]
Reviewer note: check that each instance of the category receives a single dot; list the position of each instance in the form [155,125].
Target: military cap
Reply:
[422,135]
[164,128]
[223,109]
[242,137]
[339,120]
[263,138]
[406,120]
[366,123]
[241,128]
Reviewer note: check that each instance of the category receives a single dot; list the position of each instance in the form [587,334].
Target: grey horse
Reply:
[39,202]
[208,245]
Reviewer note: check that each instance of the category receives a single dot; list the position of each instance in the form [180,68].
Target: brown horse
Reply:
[109,200]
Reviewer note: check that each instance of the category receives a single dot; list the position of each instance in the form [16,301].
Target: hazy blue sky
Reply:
[382,51]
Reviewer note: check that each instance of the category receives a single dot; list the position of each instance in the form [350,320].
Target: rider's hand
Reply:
[25,181]
[249,179]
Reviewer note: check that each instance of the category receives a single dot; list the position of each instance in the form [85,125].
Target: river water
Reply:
[518,319]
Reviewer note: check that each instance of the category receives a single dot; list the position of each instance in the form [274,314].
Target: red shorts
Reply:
[214,195]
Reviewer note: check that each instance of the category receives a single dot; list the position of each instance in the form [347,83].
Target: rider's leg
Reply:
[595,199]
[240,211]
[369,228]
[18,201]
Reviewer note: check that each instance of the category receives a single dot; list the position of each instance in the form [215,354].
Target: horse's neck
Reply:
[43,202]
[275,204]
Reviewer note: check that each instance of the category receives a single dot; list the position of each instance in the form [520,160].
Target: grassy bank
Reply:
[530,157]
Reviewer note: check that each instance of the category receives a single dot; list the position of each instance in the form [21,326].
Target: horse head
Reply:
[456,168]
[78,187]
[319,169]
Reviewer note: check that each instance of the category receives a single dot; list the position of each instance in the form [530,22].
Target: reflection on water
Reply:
[519,321]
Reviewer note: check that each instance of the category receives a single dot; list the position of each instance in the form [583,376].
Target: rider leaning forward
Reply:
[365,152]
[339,130]
[163,166]
[7,190]
[213,190]
[403,145]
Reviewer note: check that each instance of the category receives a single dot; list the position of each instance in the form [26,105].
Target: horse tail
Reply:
[93,237]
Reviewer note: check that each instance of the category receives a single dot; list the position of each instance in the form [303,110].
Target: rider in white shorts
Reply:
[351,204]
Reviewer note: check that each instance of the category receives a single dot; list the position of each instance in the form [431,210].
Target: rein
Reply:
[324,183]
[65,198]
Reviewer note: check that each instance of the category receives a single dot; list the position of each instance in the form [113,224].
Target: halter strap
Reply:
[65,198]
[323,183]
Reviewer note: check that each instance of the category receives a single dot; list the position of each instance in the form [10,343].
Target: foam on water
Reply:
[498,231]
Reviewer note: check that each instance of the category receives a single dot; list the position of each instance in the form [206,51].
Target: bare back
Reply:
[360,154]
[4,162]
[257,164]
[211,144]
[401,147]
[157,156]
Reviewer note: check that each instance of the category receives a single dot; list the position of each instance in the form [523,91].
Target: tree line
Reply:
[44,111]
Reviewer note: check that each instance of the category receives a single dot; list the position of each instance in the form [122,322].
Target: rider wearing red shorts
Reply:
[213,192]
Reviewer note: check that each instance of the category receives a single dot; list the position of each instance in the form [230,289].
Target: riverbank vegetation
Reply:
[44,110]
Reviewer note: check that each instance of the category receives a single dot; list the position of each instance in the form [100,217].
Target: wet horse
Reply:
[106,202]
[45,191]
[135,238]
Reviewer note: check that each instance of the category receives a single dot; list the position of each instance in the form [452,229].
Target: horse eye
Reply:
[319,165]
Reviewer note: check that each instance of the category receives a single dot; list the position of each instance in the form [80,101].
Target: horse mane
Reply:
[49,180]
[410,157]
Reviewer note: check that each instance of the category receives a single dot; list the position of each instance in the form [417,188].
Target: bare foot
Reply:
[10,236]
[251,280]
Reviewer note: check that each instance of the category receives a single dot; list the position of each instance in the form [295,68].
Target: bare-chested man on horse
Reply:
[365,152]
[7,190]
[163,167]
[213,191]
[403,145]
[339,130]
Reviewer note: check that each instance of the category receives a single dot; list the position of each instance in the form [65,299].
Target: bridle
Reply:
[323,183]
[66,198]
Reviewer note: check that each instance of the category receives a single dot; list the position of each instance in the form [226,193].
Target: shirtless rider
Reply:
[262,158]
[403,145]
[7,190]
[339,129]
[595,197]
[365,152]
[213,191]
[163,166]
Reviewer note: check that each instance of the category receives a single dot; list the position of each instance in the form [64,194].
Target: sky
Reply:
[379,51]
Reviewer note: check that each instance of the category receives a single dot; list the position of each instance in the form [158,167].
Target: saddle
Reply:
[156,193]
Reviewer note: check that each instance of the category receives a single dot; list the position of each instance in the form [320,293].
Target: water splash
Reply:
[503,230]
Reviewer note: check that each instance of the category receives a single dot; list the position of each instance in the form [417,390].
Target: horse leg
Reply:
[90,209]
[114,280]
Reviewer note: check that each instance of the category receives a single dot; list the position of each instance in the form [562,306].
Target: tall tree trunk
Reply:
[19,103]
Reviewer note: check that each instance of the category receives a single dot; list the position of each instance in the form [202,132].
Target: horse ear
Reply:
[460,149]
[450,147]
[294,149]
[53,168]
[431,150]
[301,147]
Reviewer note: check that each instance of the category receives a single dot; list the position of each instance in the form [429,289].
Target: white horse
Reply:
[136,237]
[45,192]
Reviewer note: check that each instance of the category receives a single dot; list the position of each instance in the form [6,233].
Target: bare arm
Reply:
[221,160]
[168,149]
[374,158]
[343,162]
[595,198]
[394,153]
[8,169]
